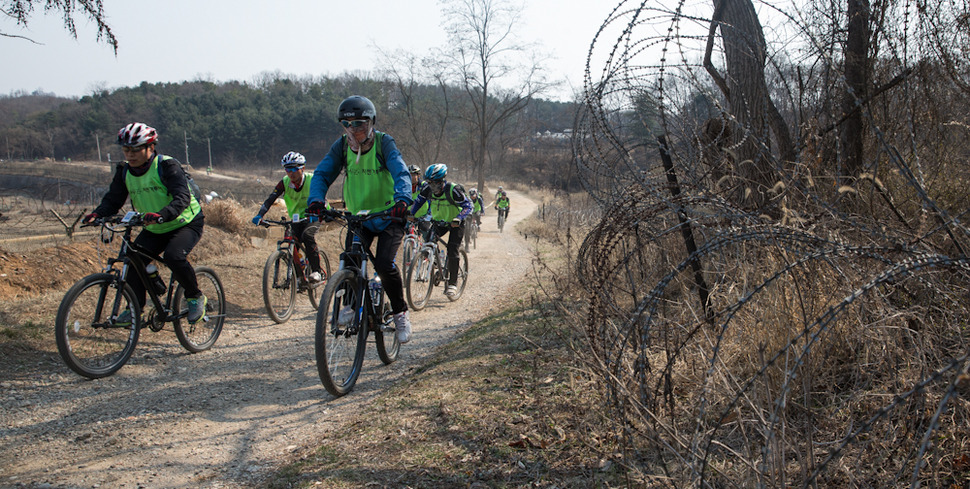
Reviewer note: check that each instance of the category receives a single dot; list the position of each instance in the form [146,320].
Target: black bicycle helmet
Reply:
[414,169]
[355,107]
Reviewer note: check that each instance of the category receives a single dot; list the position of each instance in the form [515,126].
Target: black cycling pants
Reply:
[455,235]
[174,247]
[388,243]
[309,242]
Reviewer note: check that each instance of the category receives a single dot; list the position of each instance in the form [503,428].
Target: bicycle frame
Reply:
[289,243]
[132,257]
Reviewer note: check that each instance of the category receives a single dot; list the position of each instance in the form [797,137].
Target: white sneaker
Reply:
[316,278]
[403,327]
[451,291]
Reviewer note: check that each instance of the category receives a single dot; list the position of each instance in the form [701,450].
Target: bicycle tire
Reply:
[420,279]
[340,350]
[501,221]
[410,249]
[204,333]
[385,336]
[474,236]
[86,343]
[462,275]
[314,291]
[279,286]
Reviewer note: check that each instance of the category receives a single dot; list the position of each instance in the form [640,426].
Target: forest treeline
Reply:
[243,125]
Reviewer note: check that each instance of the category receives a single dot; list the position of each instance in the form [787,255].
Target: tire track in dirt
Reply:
[223,418]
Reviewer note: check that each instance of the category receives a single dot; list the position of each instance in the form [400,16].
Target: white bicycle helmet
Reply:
[137,135]
[293,160]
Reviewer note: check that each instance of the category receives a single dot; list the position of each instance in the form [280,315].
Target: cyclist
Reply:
[422,216]
[498,193]
[502,204]
[377,179]
[448,203]
[159,190]
[295,188]
[478,205]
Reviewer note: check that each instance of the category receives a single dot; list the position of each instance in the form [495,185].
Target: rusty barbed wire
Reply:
[803,331]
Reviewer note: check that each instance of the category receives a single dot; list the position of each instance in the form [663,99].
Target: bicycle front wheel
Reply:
[420,279]
[314,291]
[462,275]
[410,247]
[341,333]
[279,285]
[89,337]
[204,333]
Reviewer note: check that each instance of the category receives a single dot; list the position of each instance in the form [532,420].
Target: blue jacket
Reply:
[331,165]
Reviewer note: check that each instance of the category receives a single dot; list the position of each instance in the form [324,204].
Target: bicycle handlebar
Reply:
[130,219]
[351,217]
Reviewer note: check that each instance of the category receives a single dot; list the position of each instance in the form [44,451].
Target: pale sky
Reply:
[223,40]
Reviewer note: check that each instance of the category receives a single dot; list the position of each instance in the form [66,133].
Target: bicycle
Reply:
[430,268]
[471,232]
[502,214]
[286,274]
[352,306]
[90,338]
[410,244]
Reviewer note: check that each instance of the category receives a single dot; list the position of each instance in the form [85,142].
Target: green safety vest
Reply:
[502,203]
[369,185]
[296,199]
[149,194]
[442,208]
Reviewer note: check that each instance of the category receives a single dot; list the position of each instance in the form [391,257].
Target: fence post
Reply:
[686,230]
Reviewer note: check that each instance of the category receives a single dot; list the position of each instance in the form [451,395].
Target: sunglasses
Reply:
[291,169]
[132,149]
[354,123]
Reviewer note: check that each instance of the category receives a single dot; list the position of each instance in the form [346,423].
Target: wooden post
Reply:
[686,231]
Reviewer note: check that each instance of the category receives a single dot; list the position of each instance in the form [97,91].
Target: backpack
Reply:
[193,187]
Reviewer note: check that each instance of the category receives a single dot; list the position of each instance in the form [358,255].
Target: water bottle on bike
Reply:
[376,290]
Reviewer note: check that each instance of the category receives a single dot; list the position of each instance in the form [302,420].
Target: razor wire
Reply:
[816,338]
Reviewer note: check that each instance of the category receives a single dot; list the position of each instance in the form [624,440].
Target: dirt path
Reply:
[222,418]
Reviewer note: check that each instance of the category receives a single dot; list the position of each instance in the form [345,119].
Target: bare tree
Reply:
[747,93]
[21,10]
[420,94]
[497,75]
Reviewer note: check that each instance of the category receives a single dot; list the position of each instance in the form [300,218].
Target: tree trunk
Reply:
[857,80]
[747,93]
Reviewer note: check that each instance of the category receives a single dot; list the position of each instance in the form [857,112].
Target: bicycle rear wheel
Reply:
[420,279]
[385,336]
[339,344]
[204,333]
[279,285]
[462,275]
[314,291]
[88,340]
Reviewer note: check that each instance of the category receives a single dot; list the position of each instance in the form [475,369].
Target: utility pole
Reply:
[97,141]
[208,142]
[185,136]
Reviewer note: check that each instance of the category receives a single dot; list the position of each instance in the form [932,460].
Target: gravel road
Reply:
[225,417]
